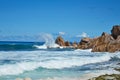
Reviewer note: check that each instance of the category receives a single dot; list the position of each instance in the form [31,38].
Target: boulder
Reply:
[60,41]
[75,45]
[115,31]
[67,43]
[84,43]
[85,40]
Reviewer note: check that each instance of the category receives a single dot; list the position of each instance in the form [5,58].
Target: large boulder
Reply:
[60,41]
[84,43]
[115,31]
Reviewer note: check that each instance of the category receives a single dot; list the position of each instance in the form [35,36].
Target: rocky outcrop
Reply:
[104,43]
[115,31]
[84,43]
[60,41]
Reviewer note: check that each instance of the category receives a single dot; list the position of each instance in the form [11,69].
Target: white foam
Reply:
[44,46]
[41,47]
[49,42]
[86,50]
[49,60]
[18,68]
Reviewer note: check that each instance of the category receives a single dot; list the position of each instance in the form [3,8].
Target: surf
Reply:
[32,60]
[49,42]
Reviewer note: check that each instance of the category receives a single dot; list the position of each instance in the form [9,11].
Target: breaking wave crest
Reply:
[21,67]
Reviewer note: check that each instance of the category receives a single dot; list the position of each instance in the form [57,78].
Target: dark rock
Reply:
[115,31]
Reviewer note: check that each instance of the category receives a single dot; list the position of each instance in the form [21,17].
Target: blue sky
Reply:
[20,18]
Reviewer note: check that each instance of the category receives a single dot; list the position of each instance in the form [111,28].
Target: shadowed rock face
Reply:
[115,31]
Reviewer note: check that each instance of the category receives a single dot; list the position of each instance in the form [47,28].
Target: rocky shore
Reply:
[104,43]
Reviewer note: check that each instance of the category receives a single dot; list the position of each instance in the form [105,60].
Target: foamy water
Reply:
[48,62]
[21,61]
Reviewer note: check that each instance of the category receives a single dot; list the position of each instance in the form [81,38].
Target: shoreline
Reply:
[88,76]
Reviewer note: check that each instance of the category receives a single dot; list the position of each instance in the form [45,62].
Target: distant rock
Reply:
[60,41]
[67,43]
[75,45]
[115,31]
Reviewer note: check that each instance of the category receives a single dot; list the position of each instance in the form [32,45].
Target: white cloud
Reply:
[83,35]
[61,33]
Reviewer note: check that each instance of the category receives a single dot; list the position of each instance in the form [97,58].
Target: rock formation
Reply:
[104,43]
[60,41]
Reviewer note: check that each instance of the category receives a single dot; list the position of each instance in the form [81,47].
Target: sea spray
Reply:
[49,41]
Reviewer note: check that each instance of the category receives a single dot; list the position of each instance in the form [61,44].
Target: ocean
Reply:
[35,60]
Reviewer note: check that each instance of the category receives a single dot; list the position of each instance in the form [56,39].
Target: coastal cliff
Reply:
[104,43]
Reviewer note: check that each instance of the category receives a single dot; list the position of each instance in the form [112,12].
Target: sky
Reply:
[27,19]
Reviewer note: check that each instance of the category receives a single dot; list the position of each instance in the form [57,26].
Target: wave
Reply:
[47,46]
[21,67]
[49,42]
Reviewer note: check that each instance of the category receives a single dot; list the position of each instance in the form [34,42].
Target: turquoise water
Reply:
[36,61]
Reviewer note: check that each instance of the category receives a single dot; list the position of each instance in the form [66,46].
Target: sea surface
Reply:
[44,61]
